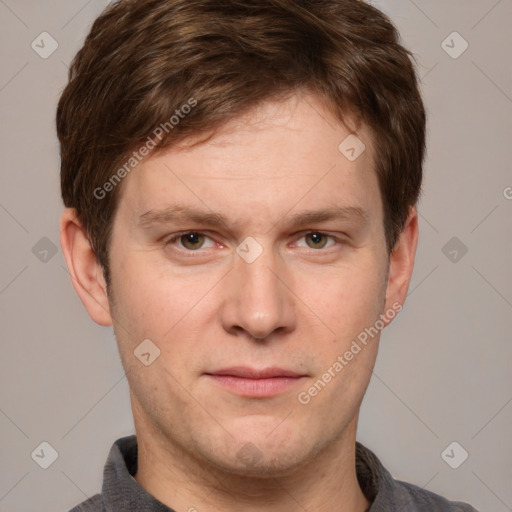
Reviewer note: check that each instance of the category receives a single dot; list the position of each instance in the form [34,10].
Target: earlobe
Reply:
[401,262]
[85,271]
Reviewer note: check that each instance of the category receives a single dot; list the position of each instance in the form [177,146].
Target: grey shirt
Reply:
[121,492]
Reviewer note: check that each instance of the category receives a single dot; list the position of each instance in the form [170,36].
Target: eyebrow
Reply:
[343,213]
[179,213]
[176,213]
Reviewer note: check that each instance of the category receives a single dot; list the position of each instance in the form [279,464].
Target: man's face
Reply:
[311,277]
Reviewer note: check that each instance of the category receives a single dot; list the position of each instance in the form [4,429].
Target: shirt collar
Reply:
[122,492]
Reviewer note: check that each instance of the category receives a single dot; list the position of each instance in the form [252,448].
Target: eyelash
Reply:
[177,236]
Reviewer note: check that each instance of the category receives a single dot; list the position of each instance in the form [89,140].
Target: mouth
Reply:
[254,383]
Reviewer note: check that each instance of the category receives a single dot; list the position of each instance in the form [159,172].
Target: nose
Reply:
[258,300]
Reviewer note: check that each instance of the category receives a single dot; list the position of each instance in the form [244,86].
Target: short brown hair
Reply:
[144,59]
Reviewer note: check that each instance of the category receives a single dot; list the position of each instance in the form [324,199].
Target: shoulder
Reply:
[386,493]
[414,498]
[93,504]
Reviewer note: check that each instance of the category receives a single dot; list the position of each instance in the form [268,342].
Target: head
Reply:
[213,209]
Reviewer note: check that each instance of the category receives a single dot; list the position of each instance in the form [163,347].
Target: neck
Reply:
[326,482]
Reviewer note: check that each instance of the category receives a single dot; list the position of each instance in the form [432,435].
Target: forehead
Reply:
[277,157]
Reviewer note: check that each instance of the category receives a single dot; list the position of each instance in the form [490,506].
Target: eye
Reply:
[317,240]
[191,241]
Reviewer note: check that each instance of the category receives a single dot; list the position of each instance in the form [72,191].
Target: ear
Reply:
[85,271]
[401,262]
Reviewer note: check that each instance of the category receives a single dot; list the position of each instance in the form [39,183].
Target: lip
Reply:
[246,372]
[251,382]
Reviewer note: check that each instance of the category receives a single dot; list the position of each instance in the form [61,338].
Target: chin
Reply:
[263,447]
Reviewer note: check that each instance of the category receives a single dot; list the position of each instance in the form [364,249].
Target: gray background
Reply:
[444,368]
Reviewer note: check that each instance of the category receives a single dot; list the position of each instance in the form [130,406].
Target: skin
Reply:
[296,307]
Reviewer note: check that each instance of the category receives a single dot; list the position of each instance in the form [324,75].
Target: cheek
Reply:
[140,305]
[345,299]
[172,309]
[150,301]
[350,306]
